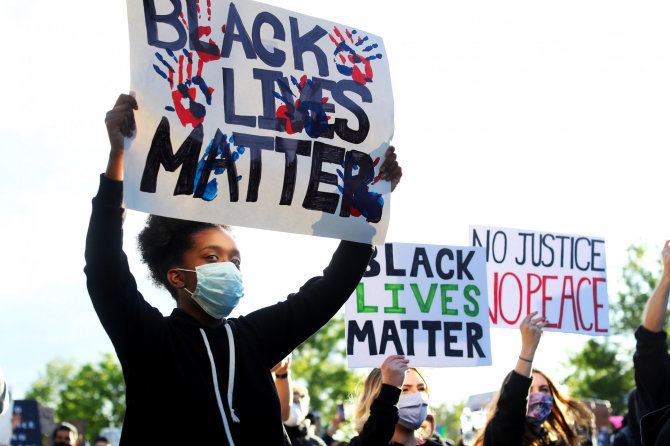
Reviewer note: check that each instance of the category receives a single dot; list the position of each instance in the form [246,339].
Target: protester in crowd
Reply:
[629,432]
[545,417]
[102,441]
[195,367]
[298,423]
[392,406]
[294,400]
[652,363]
[334,425]
[64,434]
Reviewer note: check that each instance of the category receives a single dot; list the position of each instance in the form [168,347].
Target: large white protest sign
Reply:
[426,302]
[562,277]
[256,116]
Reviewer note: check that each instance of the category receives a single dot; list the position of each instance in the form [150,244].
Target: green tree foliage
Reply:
[94,392]
[320,364]
[599,372]
[46,389]
[448,416]
[639,283]
[604,368]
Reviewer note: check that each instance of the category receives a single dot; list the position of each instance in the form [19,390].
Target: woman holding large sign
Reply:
[195,377]
[545,417]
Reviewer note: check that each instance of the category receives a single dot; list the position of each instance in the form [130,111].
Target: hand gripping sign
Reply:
[562,277]
[256,116]
[426,302]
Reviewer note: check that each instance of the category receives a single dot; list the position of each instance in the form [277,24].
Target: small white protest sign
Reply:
[426,302]
[256,116]
[562,277]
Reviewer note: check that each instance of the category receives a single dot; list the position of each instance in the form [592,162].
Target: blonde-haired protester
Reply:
[392,406]
[545,417]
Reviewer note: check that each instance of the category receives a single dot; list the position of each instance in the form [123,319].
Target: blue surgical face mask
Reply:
[413,410]
[219,288]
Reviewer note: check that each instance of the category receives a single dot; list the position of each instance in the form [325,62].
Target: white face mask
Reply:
[219,288]
[413,410]
[297,415]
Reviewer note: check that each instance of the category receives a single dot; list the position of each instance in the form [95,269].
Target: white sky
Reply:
[541,115]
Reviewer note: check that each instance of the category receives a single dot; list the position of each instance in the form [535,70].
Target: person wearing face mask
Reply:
[392,406]
[529,409]
[203,374]
[297,424]
[64,434]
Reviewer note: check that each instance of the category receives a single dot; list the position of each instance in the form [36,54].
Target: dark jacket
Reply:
[188,384]
[378,430]
[652,380]
[509,421]
[629,433]
[508,425]
[300,436]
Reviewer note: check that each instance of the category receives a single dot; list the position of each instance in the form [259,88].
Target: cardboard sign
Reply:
[256,116]
[426,302]
[562,277]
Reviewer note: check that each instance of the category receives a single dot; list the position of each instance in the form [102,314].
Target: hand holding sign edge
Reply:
[390,170]
[120,123]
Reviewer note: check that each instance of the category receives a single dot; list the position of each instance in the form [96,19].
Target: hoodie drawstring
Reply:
[231,380]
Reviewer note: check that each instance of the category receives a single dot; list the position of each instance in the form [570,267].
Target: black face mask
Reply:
[61,443]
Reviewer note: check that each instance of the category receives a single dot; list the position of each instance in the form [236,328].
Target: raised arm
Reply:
[283,384]
[653,318]
[531,333]
[120,122]
[380,425]
[509,421]
[651,359]
[121,309]
[318,300]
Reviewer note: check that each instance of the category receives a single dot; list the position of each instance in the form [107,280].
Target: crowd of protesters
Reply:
[224,380]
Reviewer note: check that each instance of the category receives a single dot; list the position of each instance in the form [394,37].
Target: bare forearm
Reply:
[524,367]
[115,165]
[284,392]
[653,318]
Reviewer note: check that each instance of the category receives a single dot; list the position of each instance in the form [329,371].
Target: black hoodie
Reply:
[187,384]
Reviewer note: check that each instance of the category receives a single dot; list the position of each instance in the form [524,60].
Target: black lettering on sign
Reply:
[360,334]
[160,154]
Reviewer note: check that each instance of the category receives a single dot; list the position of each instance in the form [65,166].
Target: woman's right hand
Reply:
[393,370]
[531,333]
[120,122]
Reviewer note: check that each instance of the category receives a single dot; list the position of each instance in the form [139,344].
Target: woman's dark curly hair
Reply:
[163,242]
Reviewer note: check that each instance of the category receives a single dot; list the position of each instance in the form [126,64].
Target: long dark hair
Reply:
[566,414]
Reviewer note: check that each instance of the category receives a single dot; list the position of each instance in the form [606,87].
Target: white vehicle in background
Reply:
[474,415]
